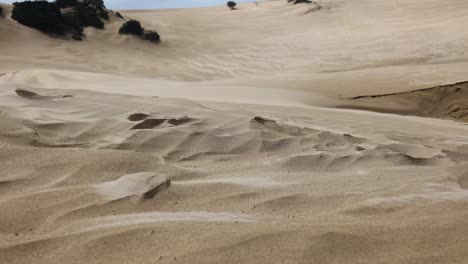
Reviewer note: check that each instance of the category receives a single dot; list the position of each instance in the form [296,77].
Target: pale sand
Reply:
[91,133]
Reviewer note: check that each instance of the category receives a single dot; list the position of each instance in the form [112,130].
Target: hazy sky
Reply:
[137,4]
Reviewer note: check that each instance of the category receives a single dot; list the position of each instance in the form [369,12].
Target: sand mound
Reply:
[179,121]
[149,123]
[32,95]
[137,117]
[27,94]
[145,184]
[331,161]
[262,120]
[249,182]
[463,181]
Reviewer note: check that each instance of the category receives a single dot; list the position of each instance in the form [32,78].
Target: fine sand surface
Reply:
[271,134]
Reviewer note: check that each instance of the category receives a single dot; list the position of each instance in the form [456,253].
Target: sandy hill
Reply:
[274,133]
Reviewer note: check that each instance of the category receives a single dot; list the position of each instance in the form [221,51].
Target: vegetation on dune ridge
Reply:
[152,36]
[231,5]
[300,1]
[88,16]
[133,27]
[40,15]
[66,3]
[119,15]
[70,17]
[62,16]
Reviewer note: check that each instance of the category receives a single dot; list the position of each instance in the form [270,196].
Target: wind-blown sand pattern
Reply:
[270,134]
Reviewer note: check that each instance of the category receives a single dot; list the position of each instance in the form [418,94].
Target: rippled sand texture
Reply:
[270,134]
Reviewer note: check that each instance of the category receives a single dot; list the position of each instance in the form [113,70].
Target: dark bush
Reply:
[40,15]
[77,37]
[103,14]
[152,36]
[300,1]
[88,16]
[119,15]
[66,3]
[72,23]
[47,17]
[231,4]
[95,3]
[1,11]
[99,6]
[131,27]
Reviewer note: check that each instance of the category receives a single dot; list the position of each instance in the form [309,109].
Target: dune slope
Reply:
[445,101]
[235,141]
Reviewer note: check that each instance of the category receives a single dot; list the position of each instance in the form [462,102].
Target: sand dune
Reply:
[445,101]
[271,134]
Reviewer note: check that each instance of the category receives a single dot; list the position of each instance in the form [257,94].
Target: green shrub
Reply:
[119,15]
[40,15]
[77,37]
[66,3]
[131,27]
[72,23]
[103,14]
[299,1]
[95,3]
[88,16]
[152,36]
[231,4]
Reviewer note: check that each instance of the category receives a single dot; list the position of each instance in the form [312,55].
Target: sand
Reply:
[271,134]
